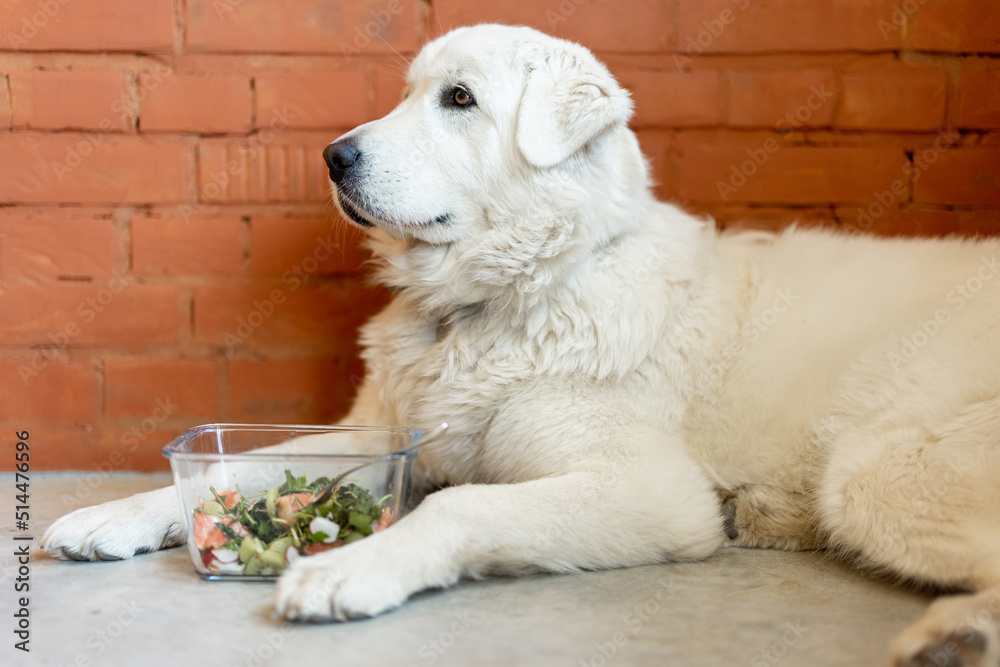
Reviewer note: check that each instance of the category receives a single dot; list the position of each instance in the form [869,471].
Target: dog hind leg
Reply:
[919,501]
[769,517]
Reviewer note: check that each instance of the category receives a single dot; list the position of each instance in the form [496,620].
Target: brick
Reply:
[313,246]
[5,110]
[291,391]
[303,26]
[598,26]
[100,313]
[742,26]
[292,314]
[160,388]
[389,83]
[874,218]
[96,25]
[62,440]
[656,145]
[195,103]
[979,100]
[896,99]
[99,451]
[136,444]
[313,100]
[781,99]
[32,249]
[963,26]
[50,391]
[670,99]
[980,222]
[199,246]
[92,168]
[89,100]
[784,174]
[960,177]
[917,220]
[284,169]
[767,218]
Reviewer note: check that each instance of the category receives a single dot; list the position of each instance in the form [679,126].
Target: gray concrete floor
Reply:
[740,607]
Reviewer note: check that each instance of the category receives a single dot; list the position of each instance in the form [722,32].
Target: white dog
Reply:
[627,386]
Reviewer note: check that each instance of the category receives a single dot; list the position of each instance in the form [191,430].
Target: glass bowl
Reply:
[224,474]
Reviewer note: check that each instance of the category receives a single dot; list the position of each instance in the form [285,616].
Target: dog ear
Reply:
[570,100]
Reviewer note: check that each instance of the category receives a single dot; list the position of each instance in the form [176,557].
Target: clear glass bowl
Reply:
[224,456]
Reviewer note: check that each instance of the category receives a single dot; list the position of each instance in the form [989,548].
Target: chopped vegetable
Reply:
[263,535]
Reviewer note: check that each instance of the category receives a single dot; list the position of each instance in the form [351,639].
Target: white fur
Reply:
[609,363]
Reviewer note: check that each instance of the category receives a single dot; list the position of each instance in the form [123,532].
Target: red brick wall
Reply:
[168,255]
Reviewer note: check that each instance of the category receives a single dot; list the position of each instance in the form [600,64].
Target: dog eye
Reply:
[460,97]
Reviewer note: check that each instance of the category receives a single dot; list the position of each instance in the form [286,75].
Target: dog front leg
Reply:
[581,520]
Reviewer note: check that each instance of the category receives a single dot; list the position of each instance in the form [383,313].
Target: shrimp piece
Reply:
[291,503]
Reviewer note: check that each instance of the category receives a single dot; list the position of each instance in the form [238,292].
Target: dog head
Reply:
[507,160]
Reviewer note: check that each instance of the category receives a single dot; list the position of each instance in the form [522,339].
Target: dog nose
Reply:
[340,156]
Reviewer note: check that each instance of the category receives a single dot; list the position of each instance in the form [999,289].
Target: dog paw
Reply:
[363,579]
[117,529]
[957,631]
[728,509]
[953,650]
